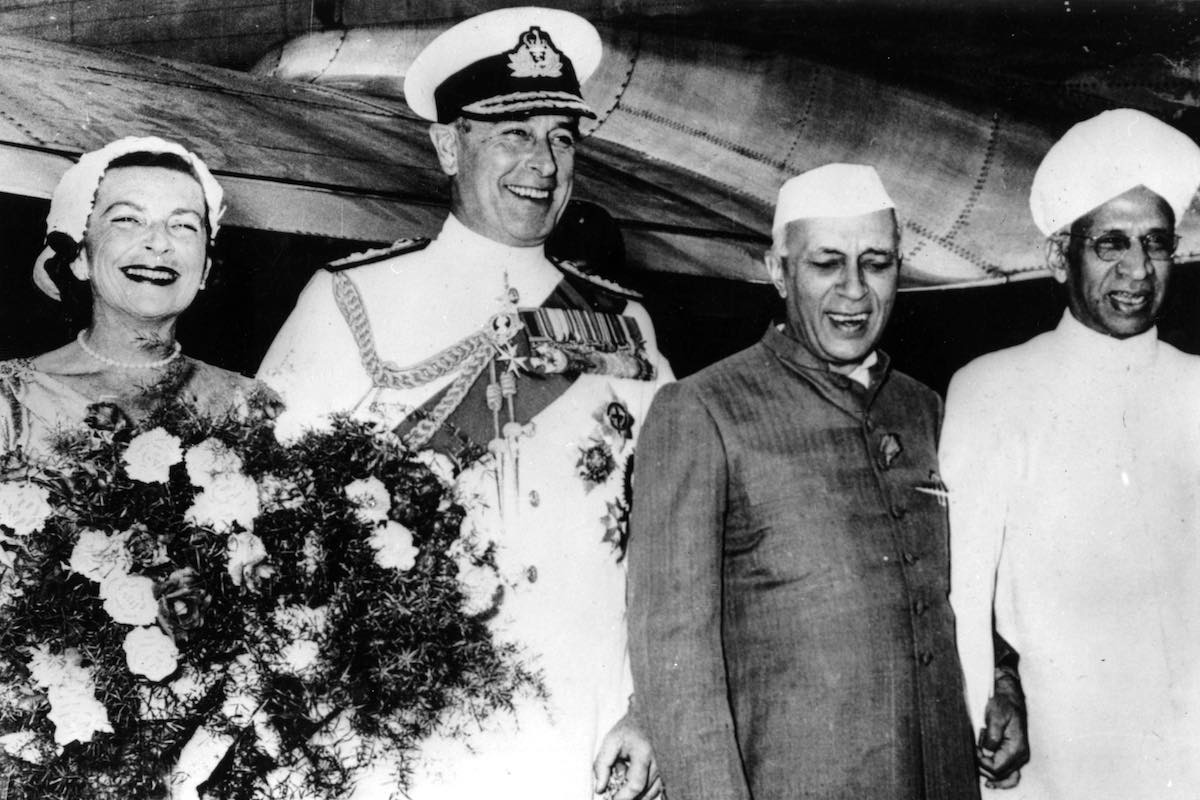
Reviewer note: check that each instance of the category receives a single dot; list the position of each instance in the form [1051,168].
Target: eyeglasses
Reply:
[1113,246]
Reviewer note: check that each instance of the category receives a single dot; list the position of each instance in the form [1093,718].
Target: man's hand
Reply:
[626,753]
[1003,746]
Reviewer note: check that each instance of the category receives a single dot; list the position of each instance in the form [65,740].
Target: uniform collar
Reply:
[490,263]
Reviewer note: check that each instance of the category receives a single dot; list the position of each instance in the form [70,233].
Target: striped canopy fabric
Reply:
[692,142]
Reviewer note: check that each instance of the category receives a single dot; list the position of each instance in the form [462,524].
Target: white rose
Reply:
[371,498]
[481,588]
[393,545]
[150,653]
[24,745]
[300,656]
[439,464]
[129,599]
[24,507]
[209,459]
[57,669]
[151,455]
[76,713]
[246,553]
[98,556]
[228,500]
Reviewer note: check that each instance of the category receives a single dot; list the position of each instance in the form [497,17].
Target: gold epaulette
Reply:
[396,248]
[572,268]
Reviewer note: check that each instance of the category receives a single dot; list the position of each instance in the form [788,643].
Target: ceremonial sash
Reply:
[556,343]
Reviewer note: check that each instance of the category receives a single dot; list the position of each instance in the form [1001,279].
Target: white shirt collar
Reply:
[862,373]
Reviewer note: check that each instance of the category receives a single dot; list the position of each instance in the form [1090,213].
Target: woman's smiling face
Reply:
[146,246]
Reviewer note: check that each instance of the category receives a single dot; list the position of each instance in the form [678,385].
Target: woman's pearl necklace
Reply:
[112,362]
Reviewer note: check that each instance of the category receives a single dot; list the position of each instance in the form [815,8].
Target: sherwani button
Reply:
[535,499]
[910,559]
[920,607]
[926,658]
[531,574]
[898,511]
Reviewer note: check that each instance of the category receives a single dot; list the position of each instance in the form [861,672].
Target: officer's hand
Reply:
[1003,745]
[625,768]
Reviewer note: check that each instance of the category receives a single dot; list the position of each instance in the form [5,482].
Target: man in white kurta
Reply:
[1073,468]
[552,491]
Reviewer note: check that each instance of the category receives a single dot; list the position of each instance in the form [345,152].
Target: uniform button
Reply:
[535,499]
[926,658]
[910,559]
[920,607]
[870,423]
[531,574]
[898,511]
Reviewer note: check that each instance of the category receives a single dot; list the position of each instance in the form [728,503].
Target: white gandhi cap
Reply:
[1106,156]
[834,190]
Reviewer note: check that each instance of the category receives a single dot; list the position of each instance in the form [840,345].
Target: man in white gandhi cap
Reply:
[789,623]
[1073,467]
[532,376]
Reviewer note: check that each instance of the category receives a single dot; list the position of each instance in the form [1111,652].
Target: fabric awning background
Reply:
[693,140]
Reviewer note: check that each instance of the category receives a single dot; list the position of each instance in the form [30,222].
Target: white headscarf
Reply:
[75,194]
[1106,156]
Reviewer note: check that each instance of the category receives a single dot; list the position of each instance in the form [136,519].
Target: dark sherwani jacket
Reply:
[789,624]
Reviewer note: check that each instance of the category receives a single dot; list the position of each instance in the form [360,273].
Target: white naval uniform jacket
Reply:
[565,606]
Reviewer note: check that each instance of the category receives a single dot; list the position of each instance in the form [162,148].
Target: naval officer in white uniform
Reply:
[533,376]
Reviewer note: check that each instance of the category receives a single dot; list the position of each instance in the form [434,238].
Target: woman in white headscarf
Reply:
[128,243]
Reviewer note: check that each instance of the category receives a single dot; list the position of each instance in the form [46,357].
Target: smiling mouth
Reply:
[849,323]
[1129,302]
[530,192]
[159,275]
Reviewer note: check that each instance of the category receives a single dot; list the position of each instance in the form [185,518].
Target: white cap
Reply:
[71,203]
[1106,156]
[834,190]
[507,62]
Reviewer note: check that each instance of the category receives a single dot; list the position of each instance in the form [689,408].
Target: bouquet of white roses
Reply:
[299,609]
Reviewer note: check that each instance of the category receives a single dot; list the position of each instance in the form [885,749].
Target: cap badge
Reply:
[535,56]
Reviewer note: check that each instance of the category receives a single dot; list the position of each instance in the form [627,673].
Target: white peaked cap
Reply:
[1106,156]
[71,203]
[834,190]
[479,50]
